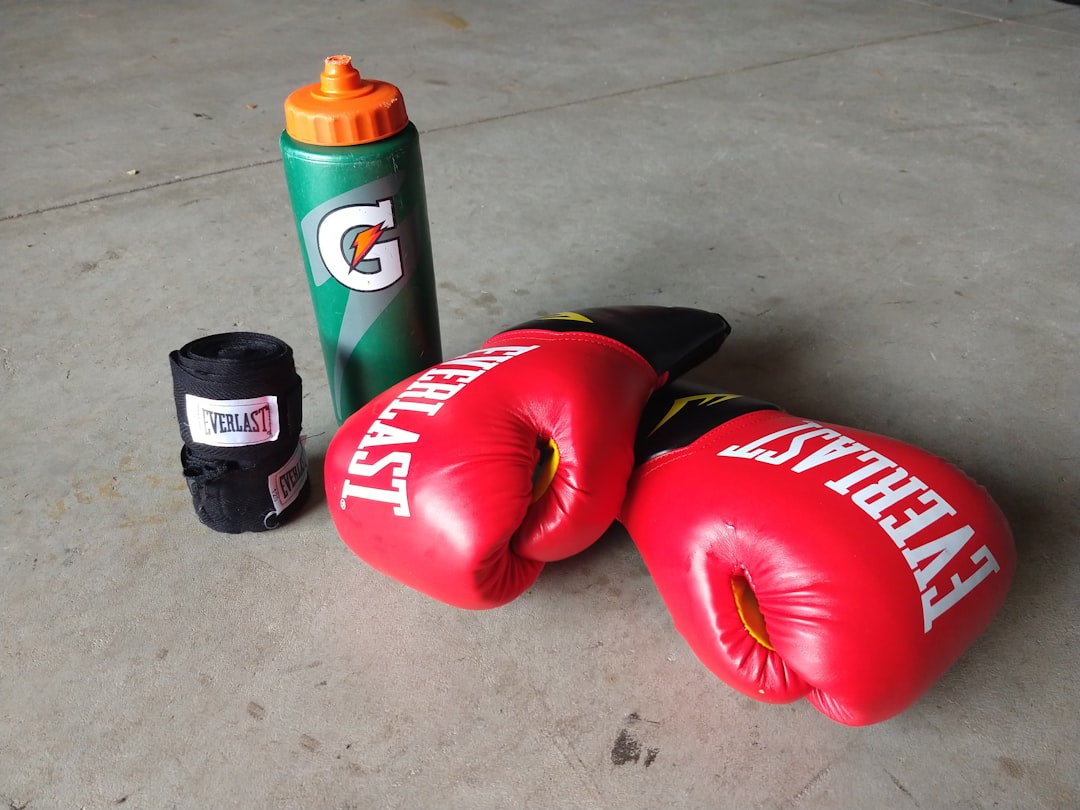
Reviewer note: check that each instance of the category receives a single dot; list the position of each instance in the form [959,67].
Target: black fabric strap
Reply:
[231,367]
[239,407]
[234,496]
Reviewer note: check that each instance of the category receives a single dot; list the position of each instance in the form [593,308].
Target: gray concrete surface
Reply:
[883,198]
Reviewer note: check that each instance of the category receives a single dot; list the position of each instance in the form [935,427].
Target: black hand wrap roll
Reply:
[238,402]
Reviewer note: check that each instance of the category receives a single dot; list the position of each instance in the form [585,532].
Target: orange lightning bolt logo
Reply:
[363,243]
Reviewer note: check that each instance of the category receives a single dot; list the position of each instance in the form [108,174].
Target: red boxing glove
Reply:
[463,480]
[799,558]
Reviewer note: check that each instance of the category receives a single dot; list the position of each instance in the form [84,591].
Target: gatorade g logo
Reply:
[348,239]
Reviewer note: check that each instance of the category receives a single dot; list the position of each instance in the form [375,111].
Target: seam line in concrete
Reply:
[112,194]
[982,21]
[715,75]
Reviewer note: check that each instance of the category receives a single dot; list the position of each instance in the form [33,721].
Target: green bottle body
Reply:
[361,216]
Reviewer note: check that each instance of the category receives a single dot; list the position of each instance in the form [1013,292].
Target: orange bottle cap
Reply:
[343,109]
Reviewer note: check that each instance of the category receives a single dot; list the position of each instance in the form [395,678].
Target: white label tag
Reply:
[286,483]
[232,422]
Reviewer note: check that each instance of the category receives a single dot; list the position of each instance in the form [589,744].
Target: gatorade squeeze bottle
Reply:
[352,165]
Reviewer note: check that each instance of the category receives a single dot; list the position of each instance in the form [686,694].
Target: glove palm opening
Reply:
[547,462]
[746,604]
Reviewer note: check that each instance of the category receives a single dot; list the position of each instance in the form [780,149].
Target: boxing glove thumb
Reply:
[803,559]
[463,480]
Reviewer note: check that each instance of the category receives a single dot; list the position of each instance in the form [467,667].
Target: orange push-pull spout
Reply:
[343,108]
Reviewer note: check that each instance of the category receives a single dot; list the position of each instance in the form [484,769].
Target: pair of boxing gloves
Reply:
[797,558]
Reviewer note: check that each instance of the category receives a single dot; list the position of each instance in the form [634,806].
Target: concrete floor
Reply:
[884,200]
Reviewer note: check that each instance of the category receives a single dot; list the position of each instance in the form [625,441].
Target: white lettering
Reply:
[494,352]
[465,375]
[380,433]
[430,390]
[424,396]
[960,588]
[482,363]
[877,463]
[875,493]
[843,446]
[876,498]
[941,551]
[395,496]
[796,446]
[753,449]
[426,408]
[917,521]
[399,458]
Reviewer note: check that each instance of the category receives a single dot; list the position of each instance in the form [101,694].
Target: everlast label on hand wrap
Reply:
[238,403]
